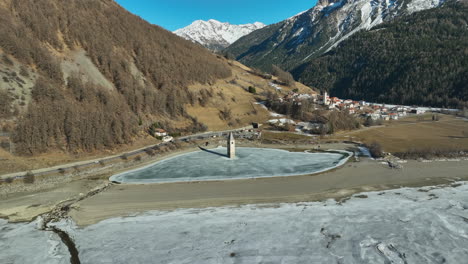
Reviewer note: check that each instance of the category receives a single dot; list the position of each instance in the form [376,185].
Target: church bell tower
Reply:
[231,146]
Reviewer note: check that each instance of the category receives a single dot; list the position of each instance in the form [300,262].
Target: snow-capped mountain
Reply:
[311,33]
[216,35]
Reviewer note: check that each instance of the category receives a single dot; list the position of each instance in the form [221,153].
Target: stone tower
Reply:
[326,98]
[231,146]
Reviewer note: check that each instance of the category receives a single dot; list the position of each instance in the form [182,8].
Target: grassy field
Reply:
[272,136]
[416,133]
[233,94]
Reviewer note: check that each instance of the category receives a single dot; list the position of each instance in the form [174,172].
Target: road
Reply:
[245,132]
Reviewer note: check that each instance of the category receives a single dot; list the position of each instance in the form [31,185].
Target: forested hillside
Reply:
[418,59]
[85,74]
[312,33]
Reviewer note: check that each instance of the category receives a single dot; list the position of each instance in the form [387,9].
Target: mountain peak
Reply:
[216,35]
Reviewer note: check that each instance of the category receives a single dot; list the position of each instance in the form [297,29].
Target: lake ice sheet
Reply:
[408,225]
[23,243]
[249,163]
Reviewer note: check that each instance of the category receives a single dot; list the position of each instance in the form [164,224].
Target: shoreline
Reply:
[128,200]
[346,156]
[120,200]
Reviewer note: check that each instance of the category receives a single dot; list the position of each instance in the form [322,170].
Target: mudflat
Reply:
[367,175]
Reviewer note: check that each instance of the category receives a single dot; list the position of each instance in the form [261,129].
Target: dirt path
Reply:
[368,175]
[92,162]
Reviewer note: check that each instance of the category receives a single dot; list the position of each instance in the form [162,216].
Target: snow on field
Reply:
[408,225]
[23,243]
[274,85]
[262,104]
[418,5]
[365,152]
[426,225]
[276,114]
[281,121]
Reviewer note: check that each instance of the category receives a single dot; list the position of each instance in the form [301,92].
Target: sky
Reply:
[175,14]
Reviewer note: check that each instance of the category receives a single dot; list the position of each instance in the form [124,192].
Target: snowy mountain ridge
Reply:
[312,33]
[216,35]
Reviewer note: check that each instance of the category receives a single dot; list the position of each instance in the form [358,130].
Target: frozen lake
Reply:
[23,243]
[249,163]
[408,225]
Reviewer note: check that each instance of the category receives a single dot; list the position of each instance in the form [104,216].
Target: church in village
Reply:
[231,146]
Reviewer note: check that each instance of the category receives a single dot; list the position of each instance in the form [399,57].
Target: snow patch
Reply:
[408,225]
[214,32]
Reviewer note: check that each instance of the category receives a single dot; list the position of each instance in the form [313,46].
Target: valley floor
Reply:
[293,219]
[406,225]
[123,199]
[368,175]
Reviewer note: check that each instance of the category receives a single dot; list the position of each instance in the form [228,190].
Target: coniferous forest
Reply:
[71,114]
[421,59]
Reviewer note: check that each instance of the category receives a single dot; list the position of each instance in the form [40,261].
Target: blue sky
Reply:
[175,14]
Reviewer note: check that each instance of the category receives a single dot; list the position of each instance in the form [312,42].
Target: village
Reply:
[371,113]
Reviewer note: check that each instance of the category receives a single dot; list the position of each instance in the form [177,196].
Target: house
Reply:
[402,113]
[160,132]
[418,111]
[304,96]
[375,116]
[341,106]
[385,116]
[393,116]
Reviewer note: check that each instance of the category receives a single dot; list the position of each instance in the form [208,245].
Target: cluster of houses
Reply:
[159,132]
[363,108]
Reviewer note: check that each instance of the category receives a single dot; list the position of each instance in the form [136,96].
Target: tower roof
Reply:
[231,136]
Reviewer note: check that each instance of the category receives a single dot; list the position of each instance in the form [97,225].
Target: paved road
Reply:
[245,132]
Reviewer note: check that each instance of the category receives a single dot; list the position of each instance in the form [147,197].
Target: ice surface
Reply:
[249,163]
[24,244]
[422,225]
[408,225]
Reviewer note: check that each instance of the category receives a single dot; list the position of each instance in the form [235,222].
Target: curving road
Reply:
[245,132]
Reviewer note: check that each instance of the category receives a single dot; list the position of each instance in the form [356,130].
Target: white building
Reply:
[325,99]
[160,132]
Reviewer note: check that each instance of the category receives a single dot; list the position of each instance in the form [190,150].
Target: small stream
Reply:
[74,254]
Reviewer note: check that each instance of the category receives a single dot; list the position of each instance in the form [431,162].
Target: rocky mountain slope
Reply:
[419,59]
[216,35]
[312,33]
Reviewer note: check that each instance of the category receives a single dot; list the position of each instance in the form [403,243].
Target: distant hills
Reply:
[216,35]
